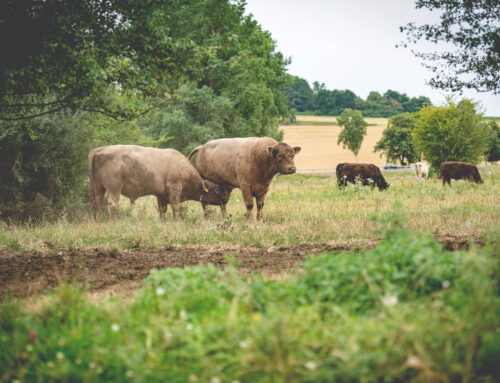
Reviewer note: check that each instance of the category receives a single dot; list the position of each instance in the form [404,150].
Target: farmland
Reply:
[353,284]
[317,135]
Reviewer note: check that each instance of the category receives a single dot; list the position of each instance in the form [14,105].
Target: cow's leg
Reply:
[97,200]
[113,199]
[223,210]
[260,205]
[174,193]
[162,207]
[248,199]
[205,212]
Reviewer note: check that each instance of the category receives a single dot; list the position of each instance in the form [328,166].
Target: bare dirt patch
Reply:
[120,273]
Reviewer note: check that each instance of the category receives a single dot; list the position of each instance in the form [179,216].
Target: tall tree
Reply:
[472,28]
[76,55]
[451,133]
[300,95]
[493,152]
[396,142]
[353,130]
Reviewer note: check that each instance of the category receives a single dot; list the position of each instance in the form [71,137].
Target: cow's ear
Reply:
[297,149]
[271,150]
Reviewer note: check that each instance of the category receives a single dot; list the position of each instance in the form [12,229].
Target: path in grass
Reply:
[120,272]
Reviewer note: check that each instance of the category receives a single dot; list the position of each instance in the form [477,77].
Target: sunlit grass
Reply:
[299,209]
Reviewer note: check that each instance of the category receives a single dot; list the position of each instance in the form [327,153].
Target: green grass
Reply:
[404,311]
[299,209]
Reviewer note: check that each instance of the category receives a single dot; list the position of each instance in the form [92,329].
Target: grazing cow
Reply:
[246,163]
[459,171]
[366,173]
[421,170]
[219,196]
[135,171]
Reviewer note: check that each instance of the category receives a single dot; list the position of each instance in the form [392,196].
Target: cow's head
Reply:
[282,157]
[214,193]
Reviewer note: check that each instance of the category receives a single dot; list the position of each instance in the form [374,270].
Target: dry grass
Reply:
[299,209]
[319,142]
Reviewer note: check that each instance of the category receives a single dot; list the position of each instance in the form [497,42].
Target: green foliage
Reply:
[493,152]
[471,27]
[403,311]
[353,130]
[43,166]
[198,117]
[451,133]
[76,57]
[326,102]
[396,143]
[300,95]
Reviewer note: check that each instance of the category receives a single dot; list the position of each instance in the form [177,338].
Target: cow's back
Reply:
[139,171]
[229,161]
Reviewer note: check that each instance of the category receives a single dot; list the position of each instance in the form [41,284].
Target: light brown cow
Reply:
[246,163]
[135,171]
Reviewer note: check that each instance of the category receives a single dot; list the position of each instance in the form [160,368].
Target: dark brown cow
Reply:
[219,196]
[135,171]
[459,171]
[246,163]
[368,174]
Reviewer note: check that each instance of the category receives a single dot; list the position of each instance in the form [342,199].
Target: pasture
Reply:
[303,214]
[317,135]
[333,285]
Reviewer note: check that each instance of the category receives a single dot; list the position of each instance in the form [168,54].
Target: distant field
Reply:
[319,142]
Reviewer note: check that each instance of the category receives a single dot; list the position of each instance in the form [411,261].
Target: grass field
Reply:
[351,285]
[299,209]
[317,136]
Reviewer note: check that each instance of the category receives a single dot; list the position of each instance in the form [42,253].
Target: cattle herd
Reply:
[219,166]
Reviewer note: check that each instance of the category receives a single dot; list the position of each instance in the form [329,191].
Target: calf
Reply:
[459,171]
[366,173]
[135,171]
[219,196]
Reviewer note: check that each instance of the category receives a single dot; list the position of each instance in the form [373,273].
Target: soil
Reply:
[120,273]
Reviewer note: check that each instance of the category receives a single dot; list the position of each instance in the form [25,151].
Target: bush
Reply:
[451,133]
[43,166]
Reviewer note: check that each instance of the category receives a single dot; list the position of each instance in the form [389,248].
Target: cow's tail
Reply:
[194,151]
[91,178]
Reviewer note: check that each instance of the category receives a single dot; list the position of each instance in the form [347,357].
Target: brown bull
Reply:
[246,163]
[366,173]
[135,171]
[459,171]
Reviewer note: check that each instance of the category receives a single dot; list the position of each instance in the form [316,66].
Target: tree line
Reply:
[322,101]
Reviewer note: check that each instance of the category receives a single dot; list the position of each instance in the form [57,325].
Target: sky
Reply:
[351,44]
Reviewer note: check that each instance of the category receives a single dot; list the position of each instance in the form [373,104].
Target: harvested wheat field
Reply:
[319,142]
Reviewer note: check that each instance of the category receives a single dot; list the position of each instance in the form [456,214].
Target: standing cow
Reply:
[366,173]
[135,171]
[421,170]
[459,171]
[246,163]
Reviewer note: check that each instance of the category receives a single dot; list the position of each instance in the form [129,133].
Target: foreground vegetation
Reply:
[404,311]
[299,209]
